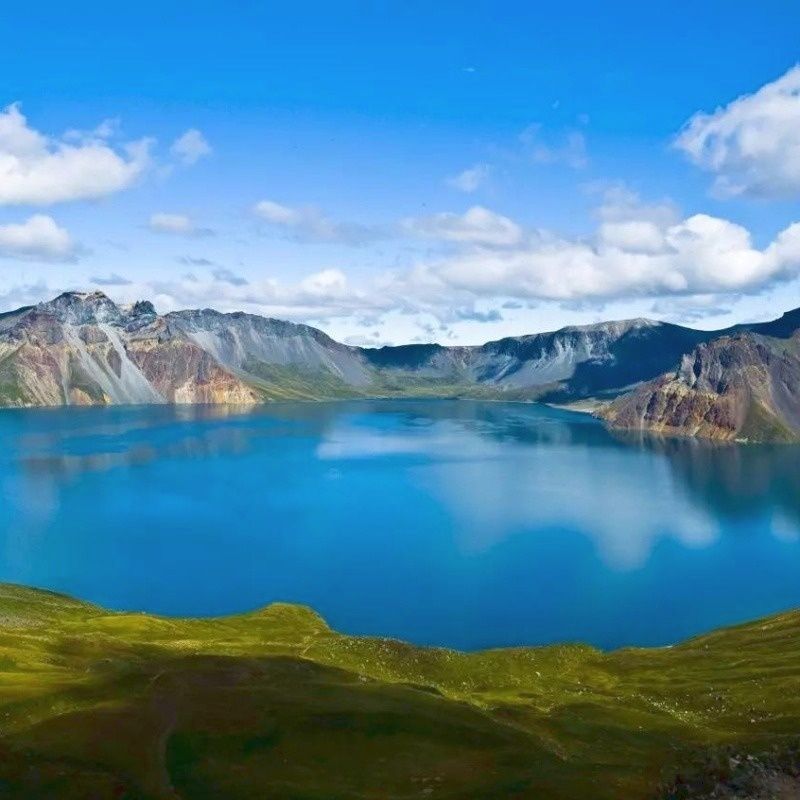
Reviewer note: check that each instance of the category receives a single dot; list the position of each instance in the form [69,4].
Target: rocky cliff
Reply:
[83,349]
[742,386]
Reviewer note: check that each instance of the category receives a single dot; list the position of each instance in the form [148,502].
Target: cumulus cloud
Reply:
[40,170]
[476,226]
[488,265]
[309,225]
[752,145]
[318,296]
[191,147]
[177,225]
[470,180]
[39,238]
[634,252]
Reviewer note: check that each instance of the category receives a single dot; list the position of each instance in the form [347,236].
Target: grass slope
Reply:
[274,704]
[296,383]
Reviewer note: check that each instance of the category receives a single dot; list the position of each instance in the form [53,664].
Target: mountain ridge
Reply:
[83,348]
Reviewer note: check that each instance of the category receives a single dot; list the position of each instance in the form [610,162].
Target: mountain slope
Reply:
[84,349]
[248,343]
[742,386]
[570,363]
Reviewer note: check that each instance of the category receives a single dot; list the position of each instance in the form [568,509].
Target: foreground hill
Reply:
[85,349]
[275,704]
[745,386]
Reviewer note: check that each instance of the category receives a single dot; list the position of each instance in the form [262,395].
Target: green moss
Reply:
[397,383]
[12,392]
[274,703]
[293,382]
[276,382]
[761,425]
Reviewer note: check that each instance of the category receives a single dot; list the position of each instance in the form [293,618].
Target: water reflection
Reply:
[504,470]
[735,480]
[447,522]
[732,480]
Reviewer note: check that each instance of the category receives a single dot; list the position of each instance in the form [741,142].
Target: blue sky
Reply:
[409,171]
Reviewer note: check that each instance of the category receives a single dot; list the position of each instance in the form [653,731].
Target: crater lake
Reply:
[454,523]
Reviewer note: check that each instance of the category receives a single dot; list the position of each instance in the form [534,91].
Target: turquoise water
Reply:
[454,523]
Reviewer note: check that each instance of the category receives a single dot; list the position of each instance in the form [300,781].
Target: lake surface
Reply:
[454,523]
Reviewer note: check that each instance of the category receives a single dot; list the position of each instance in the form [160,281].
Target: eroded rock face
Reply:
[83,349]
[181,372]
[745,386]
[239,339]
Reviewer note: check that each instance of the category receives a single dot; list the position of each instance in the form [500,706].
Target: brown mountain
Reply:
[742,386]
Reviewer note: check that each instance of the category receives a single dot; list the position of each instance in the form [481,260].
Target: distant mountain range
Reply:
[82,348]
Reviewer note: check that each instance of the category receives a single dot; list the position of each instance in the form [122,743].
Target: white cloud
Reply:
[634,252]
[634,235]
[328,283]
[320,295]
[191,147]
[37,239]
[620,204]
[487,264]
[277,214]
[176,224]
[39,170]
[470,180]
[477,226]
[308,225]
[752,145]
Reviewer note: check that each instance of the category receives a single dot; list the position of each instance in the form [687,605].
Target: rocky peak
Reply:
[138,315]
[140,308]
[93,308]
[82,308]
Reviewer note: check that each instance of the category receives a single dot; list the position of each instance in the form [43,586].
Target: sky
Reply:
[411,171]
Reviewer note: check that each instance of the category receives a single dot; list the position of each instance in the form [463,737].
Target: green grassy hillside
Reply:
[274,704]
[275,382]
